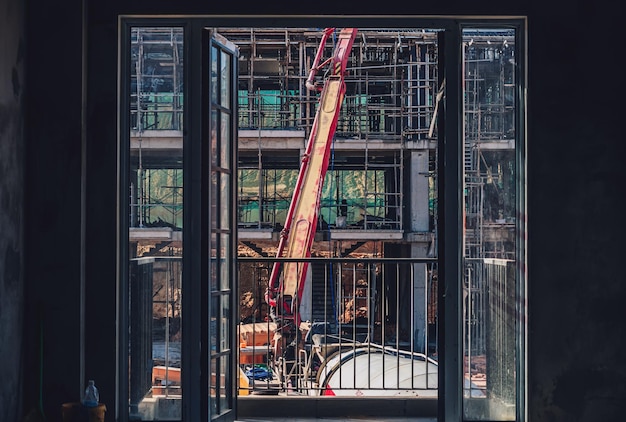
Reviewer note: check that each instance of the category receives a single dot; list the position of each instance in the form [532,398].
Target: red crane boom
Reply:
[297,236]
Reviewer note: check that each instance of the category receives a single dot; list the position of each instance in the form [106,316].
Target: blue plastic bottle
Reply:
[91,397]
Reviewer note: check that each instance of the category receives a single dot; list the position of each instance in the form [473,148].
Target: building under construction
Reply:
[381,174]
[379,197]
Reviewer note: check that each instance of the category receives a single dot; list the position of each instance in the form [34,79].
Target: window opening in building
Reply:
[366,320]
[369,208]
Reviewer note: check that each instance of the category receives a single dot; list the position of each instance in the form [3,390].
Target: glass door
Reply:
[179,131]
[179,126]
[219,193]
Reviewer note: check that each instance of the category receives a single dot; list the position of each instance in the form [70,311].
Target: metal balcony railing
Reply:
[368,328]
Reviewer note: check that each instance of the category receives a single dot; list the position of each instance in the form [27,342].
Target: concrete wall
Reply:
[11,204]
[577,370]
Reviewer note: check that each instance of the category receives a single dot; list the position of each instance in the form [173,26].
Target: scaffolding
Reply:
[489,134]
[387,119]
[389,108]
[391,81]
[490,207]
[156,79]
[391,87]
[156,106]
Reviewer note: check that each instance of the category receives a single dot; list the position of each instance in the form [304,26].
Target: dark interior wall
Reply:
[576,196]
[577,370]
[52,206]
[11,204]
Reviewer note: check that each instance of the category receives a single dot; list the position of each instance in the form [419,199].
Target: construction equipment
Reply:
[287,281]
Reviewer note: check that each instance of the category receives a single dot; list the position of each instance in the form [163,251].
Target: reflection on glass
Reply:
[214,195]
[225,194]
[490,225]
[225,79]
[225,140]
[214,137]
[225,261]
[225,332]
[214,263]
[215,309]
[213,385]
[214,75]
[156,222]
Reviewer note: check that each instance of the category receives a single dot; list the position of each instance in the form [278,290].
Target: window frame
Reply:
[450,181]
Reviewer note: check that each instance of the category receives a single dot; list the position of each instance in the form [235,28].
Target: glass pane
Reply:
[214,263]
[226,315]
[490,177]
[213,401]
[225,86]
[214,137]
[214,195]
[215,312]
[225,140]
[225,194]
[214,74]
[156,222]
[225,262]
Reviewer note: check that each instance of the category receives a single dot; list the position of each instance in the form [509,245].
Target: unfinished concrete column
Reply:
[418,192]
[419,235]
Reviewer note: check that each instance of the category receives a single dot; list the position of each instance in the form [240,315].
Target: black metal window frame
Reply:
[450,194]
